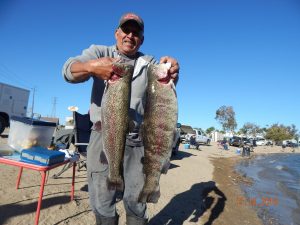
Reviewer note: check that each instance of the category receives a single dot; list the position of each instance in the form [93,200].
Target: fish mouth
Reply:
[117,74]
[114,78]
[164,80]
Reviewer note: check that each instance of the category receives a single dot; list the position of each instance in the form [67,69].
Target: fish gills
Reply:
[114,113]
[160,120]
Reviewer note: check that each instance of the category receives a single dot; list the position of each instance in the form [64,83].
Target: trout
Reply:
[114,117]
[158,130]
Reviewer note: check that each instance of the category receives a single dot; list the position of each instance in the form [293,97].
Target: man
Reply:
[193,141]
[96,63]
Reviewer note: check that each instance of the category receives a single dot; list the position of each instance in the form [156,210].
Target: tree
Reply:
[250,129]
[279,133]
[210,130]
[226,117]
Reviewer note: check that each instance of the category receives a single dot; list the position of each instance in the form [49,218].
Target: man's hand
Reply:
[174,70]
[101,68]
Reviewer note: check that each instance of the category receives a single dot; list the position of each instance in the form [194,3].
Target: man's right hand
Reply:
[101,68]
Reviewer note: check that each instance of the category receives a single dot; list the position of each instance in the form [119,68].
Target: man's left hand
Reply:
[174,70]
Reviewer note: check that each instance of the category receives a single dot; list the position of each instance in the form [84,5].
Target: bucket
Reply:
[186,146]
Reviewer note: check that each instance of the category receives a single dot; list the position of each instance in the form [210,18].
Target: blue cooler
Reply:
[42,156]
[186,146]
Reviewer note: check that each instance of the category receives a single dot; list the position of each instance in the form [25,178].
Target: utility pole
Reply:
[53,107]
[32,106]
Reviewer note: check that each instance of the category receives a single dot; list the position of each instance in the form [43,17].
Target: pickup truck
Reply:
[201,137]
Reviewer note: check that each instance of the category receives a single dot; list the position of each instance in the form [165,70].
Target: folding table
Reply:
[15,161]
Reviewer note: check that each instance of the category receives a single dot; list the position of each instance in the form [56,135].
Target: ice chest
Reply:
[186,146]
[26,132]
[42,156]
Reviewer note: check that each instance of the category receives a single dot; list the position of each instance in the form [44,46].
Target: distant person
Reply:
[193,141]
[246,150]
[208,141]
[225,145]
[254,143]
[96,63]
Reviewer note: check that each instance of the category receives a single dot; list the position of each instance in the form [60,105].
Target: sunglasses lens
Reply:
[127,30]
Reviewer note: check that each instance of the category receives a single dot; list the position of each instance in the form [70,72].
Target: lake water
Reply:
[276,187]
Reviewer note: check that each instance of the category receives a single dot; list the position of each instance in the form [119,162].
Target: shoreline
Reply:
[237,209]
[230,180]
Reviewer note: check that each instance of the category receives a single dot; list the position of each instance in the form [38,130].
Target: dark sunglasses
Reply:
[128,30]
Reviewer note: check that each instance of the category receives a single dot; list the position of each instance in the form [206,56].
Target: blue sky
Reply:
[244,54]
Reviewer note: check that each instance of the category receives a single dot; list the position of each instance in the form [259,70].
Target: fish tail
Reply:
[115,183]
[151,196]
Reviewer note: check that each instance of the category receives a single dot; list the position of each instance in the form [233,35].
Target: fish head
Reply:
[162,73]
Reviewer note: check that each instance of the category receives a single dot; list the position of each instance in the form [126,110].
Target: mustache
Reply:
[131,41]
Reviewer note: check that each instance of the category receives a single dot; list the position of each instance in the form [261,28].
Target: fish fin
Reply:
[149,196]
[103,158]
[115,184]
[165,166]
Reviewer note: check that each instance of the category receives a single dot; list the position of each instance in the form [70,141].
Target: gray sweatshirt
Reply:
[138,85]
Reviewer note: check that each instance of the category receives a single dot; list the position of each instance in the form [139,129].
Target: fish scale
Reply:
[159,126]
[114,117]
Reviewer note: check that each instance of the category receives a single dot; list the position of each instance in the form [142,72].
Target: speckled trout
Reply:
[114,116]
[159,126]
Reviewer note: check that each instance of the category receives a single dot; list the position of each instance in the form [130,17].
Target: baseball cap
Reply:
[131,16]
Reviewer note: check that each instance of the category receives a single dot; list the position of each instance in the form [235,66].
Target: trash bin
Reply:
[246,151]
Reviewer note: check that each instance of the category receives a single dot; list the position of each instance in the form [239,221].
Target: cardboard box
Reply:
[25,132]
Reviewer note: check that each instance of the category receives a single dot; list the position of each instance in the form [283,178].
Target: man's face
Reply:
[129,38]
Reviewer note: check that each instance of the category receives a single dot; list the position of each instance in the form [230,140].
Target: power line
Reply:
[12,77]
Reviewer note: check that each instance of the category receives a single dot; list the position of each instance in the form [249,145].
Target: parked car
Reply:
[292,144]
[200,136]
[184,130]
[269,142]
[238,141]
[261,141]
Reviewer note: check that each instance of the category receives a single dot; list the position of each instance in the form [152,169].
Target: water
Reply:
[276,187]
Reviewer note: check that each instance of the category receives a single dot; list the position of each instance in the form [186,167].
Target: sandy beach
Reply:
[201,187]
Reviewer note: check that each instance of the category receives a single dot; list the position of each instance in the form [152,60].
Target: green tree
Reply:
[210,130]
[280,132]
[226,117]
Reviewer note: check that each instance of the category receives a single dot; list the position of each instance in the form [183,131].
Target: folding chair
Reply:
[82,133]
[80,139]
